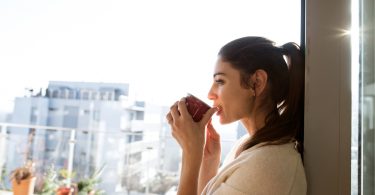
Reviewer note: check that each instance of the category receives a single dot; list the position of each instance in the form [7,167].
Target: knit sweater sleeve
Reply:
[269,170]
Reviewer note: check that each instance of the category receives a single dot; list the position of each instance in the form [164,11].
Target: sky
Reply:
[163,48]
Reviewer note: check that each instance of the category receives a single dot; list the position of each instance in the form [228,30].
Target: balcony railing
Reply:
[131,166]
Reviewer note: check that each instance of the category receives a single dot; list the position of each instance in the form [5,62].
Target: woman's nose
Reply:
[211,95]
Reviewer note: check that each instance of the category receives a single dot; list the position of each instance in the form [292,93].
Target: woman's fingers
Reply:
[174,111]
[179,109]
[169,118]
[182,107]
[208,115]
[212,132]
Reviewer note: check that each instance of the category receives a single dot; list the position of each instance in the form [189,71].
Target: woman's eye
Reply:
[219,81]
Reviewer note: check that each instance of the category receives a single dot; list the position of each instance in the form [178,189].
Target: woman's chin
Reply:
[224,121]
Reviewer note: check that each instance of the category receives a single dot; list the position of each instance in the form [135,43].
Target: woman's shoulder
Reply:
[277,158]
[263,169]
[277,166]
[271,151]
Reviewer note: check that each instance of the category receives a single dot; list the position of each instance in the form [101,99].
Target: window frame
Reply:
[327,140]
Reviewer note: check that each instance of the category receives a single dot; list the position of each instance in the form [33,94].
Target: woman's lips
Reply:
[219,110]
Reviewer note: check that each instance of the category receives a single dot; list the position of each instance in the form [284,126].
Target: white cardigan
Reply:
[260,170]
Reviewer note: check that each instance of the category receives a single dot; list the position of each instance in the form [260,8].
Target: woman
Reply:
[262,86]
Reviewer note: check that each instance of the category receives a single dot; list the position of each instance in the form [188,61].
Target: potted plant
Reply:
[87,186]
[66,188]
[23,179]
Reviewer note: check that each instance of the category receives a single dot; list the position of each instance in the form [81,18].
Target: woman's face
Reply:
[233,101]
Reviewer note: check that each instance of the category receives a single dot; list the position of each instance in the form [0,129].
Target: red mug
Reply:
[196,107]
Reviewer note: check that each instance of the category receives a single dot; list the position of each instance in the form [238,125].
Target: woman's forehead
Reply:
[224,67]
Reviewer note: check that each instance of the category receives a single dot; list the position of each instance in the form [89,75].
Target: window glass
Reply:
[363,84]
[86,84]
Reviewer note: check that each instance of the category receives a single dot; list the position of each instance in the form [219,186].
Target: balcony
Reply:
[128,167]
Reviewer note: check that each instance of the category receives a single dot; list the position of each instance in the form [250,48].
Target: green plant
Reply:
[88,185]
[65,174]
[24,172]
[64,182]
[50,183]
[2,178]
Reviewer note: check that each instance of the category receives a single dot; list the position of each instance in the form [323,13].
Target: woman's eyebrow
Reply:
[218,73]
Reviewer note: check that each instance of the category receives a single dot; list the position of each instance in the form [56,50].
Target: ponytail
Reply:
[295,98]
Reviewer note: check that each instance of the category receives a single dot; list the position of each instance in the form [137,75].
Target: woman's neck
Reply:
[255,121]
[252,125]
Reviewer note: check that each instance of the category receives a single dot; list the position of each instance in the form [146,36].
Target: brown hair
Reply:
[284,123]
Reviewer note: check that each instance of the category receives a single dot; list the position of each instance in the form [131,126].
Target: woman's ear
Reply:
[258,82]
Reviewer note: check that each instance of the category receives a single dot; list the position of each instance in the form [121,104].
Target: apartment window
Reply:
[139,115]
[135,136]
[96,115]
[85,94]
[86,112]
[138,136]
[55,93]
[34,115]
[135,157]
[140,103]
[70,119]
[53,109]
[103,95]
[72,94]
[64,93]
[94,95]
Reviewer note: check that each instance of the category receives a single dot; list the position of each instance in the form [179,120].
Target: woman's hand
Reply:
[212,149]
[211,157]
[189,134]
[191,137]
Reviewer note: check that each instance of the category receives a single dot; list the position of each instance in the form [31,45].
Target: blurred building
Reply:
[111,128]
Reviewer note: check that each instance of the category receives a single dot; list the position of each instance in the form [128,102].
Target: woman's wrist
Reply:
[191,163]
[209,167]
[192,157]
[212,160]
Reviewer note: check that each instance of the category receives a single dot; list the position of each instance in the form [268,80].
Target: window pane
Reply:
[363,148]
[87,83]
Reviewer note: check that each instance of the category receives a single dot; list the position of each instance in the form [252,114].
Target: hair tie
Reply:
[284,51]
